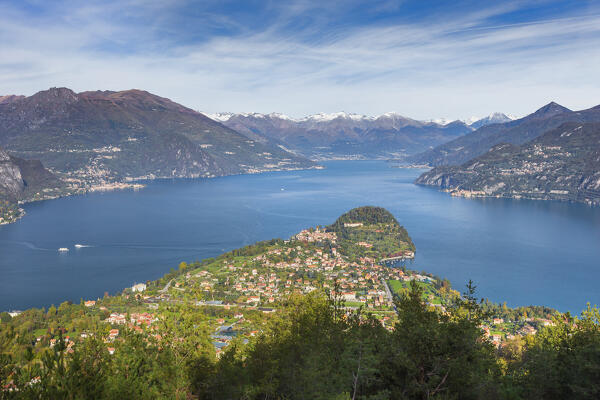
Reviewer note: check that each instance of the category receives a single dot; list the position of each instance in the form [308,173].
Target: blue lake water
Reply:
[521,252]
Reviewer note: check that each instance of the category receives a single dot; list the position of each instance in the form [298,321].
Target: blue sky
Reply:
[423,59]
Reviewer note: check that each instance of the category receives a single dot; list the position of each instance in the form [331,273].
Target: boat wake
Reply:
[29,245]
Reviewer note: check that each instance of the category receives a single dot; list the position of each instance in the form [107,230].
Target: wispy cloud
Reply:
[309,56]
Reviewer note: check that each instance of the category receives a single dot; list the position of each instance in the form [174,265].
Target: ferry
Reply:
[63,249]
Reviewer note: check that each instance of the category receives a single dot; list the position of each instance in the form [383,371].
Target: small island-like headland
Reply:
[373,232]
[318,315]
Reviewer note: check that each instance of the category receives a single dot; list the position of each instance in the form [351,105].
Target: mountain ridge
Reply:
[562,164]
[344,135]
[105,136]
[224,116]
[522,130]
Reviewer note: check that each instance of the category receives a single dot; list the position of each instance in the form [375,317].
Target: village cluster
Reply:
[240,287]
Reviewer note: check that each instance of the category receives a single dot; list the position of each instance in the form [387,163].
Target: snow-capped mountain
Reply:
[493,118]
[343,134]
[225,116]
[513,131]
[320,117]
[475,122]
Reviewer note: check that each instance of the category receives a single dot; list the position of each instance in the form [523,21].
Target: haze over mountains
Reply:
[344,135]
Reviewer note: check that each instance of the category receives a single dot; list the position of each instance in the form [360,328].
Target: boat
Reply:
[63,249]
[80,245]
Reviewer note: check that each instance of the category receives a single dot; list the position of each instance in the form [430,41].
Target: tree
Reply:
[51,311]
[436,354]
[5,317]
[562,361]
[184,334]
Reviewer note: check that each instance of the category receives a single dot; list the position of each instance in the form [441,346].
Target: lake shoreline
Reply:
[133,184]
[502,245]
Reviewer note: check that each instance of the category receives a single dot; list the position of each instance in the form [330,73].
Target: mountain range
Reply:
[561,164]
[344,135]
[517,132]
[59,142]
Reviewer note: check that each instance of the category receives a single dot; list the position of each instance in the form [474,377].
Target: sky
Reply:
[423,59]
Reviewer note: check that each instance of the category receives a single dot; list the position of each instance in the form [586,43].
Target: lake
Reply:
[519,251]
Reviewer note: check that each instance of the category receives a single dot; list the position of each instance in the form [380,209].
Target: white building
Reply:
[140,287]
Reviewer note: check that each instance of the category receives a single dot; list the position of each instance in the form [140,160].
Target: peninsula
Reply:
[204,318]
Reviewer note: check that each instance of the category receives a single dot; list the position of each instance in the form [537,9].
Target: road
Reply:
[167,286]
[388,294]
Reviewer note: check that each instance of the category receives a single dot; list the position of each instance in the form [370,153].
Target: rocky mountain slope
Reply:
[24,179]
[462,149]
[105,136]
[11,181]
[562,164]
[343,135]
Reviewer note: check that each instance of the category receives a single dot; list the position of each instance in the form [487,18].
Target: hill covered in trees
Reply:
[372,231]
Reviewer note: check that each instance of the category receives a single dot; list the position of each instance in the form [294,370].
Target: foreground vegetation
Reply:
[316,349]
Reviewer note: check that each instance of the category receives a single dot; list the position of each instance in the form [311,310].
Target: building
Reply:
[140,287]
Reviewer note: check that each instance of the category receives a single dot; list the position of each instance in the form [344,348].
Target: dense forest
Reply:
[314,349]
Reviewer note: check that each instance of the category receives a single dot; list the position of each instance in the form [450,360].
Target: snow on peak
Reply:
[475,122]
[220,117]
[324,117]
[498,116]
[440,121]
[392,115]
[493,118]
[280,116]
[471,120]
